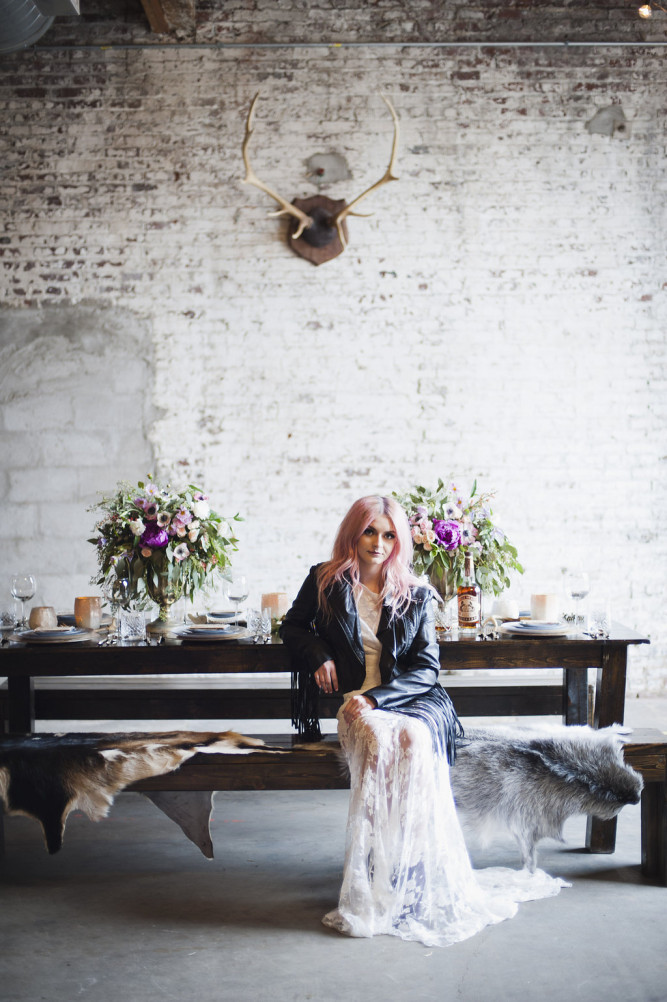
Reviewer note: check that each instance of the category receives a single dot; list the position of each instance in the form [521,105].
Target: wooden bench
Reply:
[318,768]
[647,754]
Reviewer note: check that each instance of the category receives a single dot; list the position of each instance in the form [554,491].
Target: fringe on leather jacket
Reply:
[409,661]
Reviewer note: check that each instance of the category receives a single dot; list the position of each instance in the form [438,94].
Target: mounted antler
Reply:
[386,177]
[319,230]
[251,178]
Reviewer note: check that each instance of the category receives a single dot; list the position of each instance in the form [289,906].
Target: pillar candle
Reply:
[277,602]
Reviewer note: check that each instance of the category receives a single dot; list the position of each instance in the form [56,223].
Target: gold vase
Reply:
[164,591]
[444,582]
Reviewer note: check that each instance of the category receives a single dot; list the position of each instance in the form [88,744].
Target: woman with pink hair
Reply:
[363,625]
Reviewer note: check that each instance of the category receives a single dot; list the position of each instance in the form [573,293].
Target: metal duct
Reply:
[23,22]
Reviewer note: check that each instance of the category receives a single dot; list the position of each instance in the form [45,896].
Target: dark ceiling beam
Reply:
[171,17]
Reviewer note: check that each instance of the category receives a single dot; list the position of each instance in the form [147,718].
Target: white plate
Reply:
[211,635]
[536,630]
[541,624]
[210,627]
[53,636]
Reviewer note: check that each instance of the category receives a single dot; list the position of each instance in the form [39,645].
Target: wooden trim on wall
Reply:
[170,16]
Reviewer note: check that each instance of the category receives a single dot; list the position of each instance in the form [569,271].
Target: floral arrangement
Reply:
[446,524]
[165,543]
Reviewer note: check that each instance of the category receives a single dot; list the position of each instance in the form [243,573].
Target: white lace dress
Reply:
[407,872]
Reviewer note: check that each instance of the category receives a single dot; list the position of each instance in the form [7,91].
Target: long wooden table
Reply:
[22,664]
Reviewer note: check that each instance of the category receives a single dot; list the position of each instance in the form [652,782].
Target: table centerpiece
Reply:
[158,544]
[447,523]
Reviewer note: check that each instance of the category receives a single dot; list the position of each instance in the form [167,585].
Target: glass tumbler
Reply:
[132,626]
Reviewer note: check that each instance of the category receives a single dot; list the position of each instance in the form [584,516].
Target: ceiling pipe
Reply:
[146,46]
[23,22]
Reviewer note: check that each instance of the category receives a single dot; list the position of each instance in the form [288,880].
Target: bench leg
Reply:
[600,835]
[654,832]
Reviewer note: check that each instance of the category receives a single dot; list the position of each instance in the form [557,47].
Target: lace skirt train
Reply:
[407,872]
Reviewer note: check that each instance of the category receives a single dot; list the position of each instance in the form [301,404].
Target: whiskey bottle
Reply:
[469,599]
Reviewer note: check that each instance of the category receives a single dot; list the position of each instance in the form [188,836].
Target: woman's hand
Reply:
[326,677]
[356,705]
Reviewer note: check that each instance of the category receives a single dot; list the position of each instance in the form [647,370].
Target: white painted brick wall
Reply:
[500,316]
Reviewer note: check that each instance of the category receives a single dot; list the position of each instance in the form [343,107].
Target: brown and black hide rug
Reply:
[46,776]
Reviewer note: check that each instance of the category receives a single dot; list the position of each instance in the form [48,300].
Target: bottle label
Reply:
[468,610]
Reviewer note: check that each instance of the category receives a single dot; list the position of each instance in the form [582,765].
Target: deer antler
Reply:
[387,176]
[251,178]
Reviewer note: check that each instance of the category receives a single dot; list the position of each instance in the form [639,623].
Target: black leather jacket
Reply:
[409,662]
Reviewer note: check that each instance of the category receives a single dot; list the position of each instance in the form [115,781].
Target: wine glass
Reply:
[238,591]
[579,588]
[24,587]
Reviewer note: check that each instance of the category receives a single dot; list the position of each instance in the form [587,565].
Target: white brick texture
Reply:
[500,316]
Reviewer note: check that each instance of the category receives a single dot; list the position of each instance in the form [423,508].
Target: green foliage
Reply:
[160,541]
[446,524]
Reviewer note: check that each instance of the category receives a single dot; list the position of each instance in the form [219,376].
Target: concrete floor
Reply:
[130,911]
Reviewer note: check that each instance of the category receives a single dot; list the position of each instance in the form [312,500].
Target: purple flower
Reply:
[422,510]
[448,534]
[198,496]
[154,536]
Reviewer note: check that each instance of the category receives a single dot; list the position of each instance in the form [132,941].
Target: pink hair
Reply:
[397,576]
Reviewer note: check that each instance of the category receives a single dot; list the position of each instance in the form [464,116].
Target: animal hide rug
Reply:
[46,776]
[530,780]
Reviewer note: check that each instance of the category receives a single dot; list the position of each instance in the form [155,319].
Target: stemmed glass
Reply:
[24,587]
[238,591]
[579,588]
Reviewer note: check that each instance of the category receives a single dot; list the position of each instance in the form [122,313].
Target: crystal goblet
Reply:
[24,587]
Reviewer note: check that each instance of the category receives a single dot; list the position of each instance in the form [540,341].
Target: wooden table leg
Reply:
[575,696]
[20,704]
[609,709]
[610,688]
